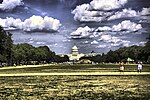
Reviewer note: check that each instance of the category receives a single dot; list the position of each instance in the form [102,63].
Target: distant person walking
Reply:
[139,67]
[122,67]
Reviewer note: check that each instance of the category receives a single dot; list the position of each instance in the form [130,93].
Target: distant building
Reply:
[91,54]
[75,55]
[129,60]
[85,61]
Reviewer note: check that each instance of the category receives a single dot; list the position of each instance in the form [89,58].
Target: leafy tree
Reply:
[133,52]
[5,46]
[111,56]
[148,60]
[147,49]
[27,54]
[97,58]
[147,45]
[65,58]
[22,53]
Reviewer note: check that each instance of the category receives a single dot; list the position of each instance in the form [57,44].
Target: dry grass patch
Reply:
[75,87]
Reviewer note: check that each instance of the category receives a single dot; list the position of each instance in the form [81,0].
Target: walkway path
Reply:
[25,66]
[67,73]
[78,73]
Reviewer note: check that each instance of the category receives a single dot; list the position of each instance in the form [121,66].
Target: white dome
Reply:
[75,47]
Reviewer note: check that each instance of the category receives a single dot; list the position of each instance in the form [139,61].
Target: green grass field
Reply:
[75,87]
[75,68]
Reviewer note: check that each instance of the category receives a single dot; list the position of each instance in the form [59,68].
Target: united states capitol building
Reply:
[75,55]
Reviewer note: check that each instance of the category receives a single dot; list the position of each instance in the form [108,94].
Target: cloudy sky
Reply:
[99,25]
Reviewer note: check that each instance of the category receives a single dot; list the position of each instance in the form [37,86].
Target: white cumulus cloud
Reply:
[94,11]
[107,4]
[81,32]
[145,11]
[106,38]
[103,10]
[124,13]
[94,42]
[83,13]
[126,25]
[103,46]
[113,41]
[10,4]
[104,28]
[123,27]
[34,23]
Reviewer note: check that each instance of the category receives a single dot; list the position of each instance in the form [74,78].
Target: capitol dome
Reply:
[75,55]
[74,47]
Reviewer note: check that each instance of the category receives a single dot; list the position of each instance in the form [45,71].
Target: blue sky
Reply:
[97,25]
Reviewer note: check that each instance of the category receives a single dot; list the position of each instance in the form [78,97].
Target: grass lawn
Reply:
[75,68]
[75,87]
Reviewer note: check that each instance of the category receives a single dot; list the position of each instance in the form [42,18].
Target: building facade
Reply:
[75,55]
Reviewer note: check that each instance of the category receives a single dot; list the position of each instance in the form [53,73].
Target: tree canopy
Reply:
[5,46]
[137,53]
[27,54]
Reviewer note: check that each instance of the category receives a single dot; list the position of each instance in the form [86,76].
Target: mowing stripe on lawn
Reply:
[78,74]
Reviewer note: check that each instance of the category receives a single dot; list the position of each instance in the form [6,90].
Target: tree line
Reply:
[138,53]
[25,53]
